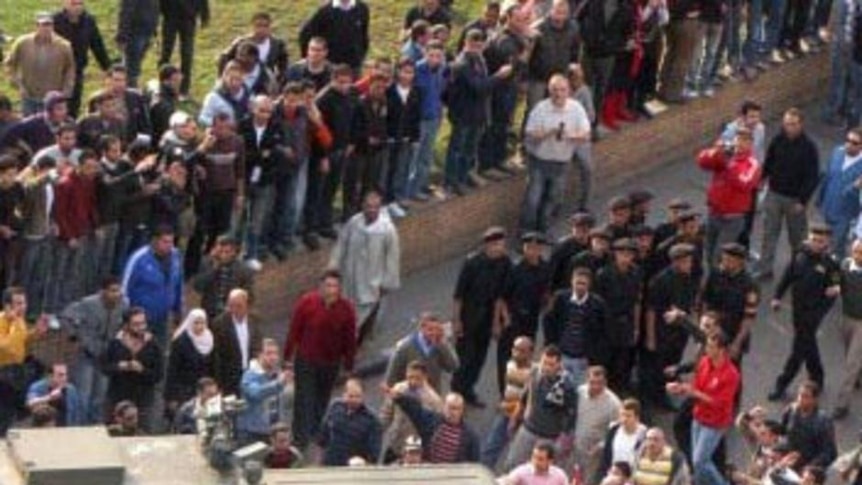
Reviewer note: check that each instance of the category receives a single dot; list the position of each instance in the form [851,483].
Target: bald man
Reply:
[237,340]
[349,428]
[446,437]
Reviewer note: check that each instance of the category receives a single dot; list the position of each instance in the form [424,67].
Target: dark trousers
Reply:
[322,188]
[129,239]
[365,173]
[599,71]
[683,37]
[493,144]
[10,256]
[505,342]
[647,79]
[9,401]
[804,349]
[214,211]
[77,93]
[472,349]
[174,26]
[795,20]
[134,52]
[314,385]
[619,366]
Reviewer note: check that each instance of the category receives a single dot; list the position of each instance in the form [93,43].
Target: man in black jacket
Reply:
[237,341]
[792,171]
[76,25]
[131,105]
[136,26]
[814,276]
[179,19]
[809,431]
[164,101]
[272,51]
[344,24]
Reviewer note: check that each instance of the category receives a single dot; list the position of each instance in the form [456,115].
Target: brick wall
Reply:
[438,231]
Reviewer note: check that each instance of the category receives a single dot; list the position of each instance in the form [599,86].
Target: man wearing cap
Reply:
[735,175]
[598,255]
[671,296]
[815,278]
[567,248]
[619,218]
[730,291]
[792,172]
[666,229]
[619,284]
[40,62]
[640,200]
[555,127]
[475,316]
[526,294]
[688,231]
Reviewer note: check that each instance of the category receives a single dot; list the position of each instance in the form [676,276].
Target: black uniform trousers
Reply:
[472,347]
[804,350]
[184,27]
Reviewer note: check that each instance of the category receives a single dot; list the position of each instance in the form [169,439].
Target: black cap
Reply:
[474,34]
[601,233]
[624,244]
[681,250]
[619,202]
[533,237]
[639,196]
[821,230]
[734,249]
[227,239]
[688,216]
[642,230]
[494,233]
[582,219]
[679,203]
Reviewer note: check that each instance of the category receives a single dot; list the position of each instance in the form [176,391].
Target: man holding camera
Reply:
[555,128]
[735,175]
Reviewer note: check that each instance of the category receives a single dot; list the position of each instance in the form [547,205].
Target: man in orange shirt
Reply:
[14,336]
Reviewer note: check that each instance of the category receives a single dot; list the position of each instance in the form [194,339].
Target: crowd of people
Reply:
[105,219]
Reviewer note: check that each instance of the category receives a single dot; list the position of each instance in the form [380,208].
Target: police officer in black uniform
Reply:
[688,230]
[619,218]
[730,291]
[814,277]
[640,200]
[670,297]
[478,294]
[598,255]
[619,284]
[668,228]
[526,294]
[569,247]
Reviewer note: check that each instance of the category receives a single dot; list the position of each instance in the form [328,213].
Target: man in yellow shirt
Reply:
[14,336]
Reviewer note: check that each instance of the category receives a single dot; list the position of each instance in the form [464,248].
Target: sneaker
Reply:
[824,35]
[789,54]
[690,93]
[776,57]
[311,241]
[396,211]
[475,180]
[253,264]
[708,92]
[53,322]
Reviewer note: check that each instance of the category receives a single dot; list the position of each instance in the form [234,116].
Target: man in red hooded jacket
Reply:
[735,175]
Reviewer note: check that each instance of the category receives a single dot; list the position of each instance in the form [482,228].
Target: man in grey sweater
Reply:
[93,321]
[429,345]
[552,406]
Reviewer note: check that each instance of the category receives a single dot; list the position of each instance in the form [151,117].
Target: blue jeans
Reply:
[704,441]
[840,229]
[262,199]
[719,231]
[424,157]
[703,68]
[839,100]
[495,443]
[755,38]
[492,147]
[775,23]
[544,192]
[289,204]
[92,384]
[398,176]
[577,368]
[461,152]
[39,273]
[133,56]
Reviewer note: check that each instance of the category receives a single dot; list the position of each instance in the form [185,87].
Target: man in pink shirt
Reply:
[539,471]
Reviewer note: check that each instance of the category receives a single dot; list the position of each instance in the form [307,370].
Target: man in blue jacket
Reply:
[262,389]
[839,194]
[153,280]
[55,391]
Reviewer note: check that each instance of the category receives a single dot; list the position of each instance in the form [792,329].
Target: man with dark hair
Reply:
[134,363]
[345,26]
[104,120]
[350,429]
[54,390]
[321,340]
[38,131]
[165,100]
[190,417]
[75,24]
[230,96]
[236,341]
[314,66]
[815,278]
[15,335]
[179,19]
[809,430]
[124,420]
[272,50]
[429,346]
[131,110]
[8,117]
[93,321]
[282,454]
[262,387]
[153,280]
[222,272]
[540,468]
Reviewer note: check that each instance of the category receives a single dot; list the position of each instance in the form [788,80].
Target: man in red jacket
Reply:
[322,338]
[714,387]
[735,175]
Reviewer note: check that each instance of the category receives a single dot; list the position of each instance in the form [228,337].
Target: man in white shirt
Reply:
[555,128]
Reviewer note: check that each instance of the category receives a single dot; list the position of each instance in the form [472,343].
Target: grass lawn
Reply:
[229,19]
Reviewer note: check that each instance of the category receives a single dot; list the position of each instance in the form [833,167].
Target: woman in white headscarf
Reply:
[191,358]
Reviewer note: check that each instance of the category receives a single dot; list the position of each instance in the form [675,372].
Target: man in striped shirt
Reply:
[446,438]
